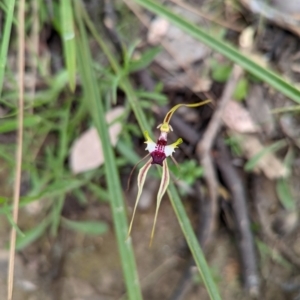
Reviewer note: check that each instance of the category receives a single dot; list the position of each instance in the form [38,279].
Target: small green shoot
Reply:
[267,252]
[241,89]
[220,72]
[284,194]
[188,171]
[32,235]
[144,60]
[234,143]
[86,227]
[250,165]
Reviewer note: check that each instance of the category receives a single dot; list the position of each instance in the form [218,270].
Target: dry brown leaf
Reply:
[246,38]
[269,164]
[289,126]
[157,30]
[86,152]
[259,109]
[284,13]
[237,118]
[185,49]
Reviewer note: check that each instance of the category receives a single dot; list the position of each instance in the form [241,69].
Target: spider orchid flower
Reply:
[159,151]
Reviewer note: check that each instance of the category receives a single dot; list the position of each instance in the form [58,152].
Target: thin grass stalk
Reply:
[5,39]
[193,243]
[17,184]
[94,103]
[68,37]
[226,49]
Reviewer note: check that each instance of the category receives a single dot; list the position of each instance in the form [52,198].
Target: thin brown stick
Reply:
[245,238]
[21,65]
[204,146]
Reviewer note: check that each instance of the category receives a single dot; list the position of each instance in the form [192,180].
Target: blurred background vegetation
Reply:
[99,73]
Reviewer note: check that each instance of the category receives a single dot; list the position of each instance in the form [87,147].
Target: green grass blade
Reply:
[193,243]
[32,235]
[86,227]
[5,39]
[12,125]
[284,194]
[68,37]
[253,161]
[94,103]
[173,195]
[263,73]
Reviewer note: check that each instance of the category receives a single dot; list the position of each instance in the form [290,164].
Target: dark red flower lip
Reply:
[158,157]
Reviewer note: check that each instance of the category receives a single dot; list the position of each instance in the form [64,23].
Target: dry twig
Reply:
[204,146]
[239,203]
[21,65]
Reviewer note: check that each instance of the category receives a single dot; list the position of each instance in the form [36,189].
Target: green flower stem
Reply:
[193,243]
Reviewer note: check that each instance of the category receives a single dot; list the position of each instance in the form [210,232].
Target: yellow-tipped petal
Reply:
[147,137]
[165,179]
[150,144]
[140,180]
[178,142]
[171,148]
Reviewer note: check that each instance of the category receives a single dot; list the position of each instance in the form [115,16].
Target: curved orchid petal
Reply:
[159,151]
[172,110]
[131,172]
[171,148]
[140,180]
[165,179]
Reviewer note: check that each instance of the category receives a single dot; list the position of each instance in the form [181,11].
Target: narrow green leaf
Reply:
[265,250]
[284,195]
[251,163]
[31,235]
[56,210]
[68,37]
[220,72]
[153,96]
[144,61]
[54,190]
[13,224]
[88,227]
[5,39]
[12,125]
[193,243]
[100,193]
[241,89]
[226,49]
[126,151]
